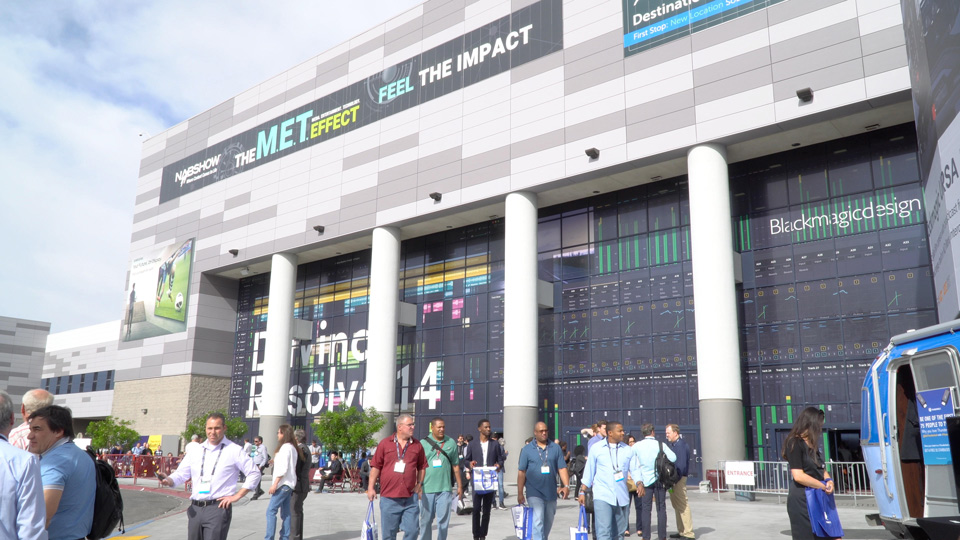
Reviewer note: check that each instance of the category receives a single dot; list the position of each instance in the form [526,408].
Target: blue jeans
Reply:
[500,486]
[280,499]
[435,504]
[543,512]
[611,520]
[399,513]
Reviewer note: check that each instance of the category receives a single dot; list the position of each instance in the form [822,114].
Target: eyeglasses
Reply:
[539,431]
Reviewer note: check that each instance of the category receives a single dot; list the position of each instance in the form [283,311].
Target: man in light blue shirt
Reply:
[22,515]
[68,473]
[647,451]
[599,434]
[607,466]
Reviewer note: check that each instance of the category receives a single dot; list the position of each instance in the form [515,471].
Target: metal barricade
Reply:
[144,467]
[850,478]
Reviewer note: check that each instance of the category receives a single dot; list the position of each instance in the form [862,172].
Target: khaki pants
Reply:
[678,499]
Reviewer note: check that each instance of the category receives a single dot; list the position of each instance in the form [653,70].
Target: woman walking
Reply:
[801,449]
[284,480]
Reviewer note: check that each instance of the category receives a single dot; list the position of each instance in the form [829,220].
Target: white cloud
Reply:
[80,82]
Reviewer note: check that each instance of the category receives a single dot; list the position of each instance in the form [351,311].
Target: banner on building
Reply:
[157,293]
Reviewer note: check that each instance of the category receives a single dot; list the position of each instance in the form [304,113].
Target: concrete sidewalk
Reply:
[338,516]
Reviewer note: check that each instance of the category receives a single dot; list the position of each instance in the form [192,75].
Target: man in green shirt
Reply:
[442,471]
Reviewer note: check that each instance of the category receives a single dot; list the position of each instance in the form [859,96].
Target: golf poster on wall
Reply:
[156,297]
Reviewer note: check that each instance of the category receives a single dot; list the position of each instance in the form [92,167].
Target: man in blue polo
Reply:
[68,473]
[540,463]
[608,464]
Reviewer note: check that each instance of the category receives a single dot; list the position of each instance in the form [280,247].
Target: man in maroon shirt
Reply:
[400,463]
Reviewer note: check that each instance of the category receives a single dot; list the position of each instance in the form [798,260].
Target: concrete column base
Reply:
[721,431]
[518,424]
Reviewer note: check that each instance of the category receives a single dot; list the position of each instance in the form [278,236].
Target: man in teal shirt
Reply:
[606,472]
[442,468]
[540,462]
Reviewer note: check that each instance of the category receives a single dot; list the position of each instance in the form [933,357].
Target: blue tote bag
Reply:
[822,509]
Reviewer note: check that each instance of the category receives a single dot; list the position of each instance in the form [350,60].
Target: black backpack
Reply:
[108,504]
[666,470]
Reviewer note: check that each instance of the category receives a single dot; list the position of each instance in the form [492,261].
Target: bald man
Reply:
[33,401]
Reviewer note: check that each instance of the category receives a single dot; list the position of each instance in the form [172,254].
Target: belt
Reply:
[201,504]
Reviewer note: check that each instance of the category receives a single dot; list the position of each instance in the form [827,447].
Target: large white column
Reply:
[714,287]
[520,324]
[380,386]
[276,354]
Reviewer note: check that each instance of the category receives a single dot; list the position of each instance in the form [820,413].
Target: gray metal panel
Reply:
[816,40]
[300,89]
[882,40]
[165,236]
[407,183]
[293,241]
[169,205]
[440,158]
[479,176]
[824,78]
[438,173]
[337,63]
[235,223]
[443,23]
[366,47]
[245,115]
[664,53]
[818,59]
[538,66]
[260,250]
[587,64]
[593,46]
[729,30]
[270,103]
[358,223]
[484,159]
[397,42]
[399,145]
[732,66]
[733,85]
[352,199]
[236,201]
[593,78]
[398,198]
[262,214]
[146,196]
[537,144]
[361,158]
[210,221]
[435,10]
[785,11]
[189,218]
[595,126]
[885,61]
[141,234]
[177,138]
[519,4]
[208,253]
[661,124]
[400,171]
[146,214]
[446,185]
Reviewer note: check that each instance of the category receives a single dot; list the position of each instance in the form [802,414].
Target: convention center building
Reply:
[708,213]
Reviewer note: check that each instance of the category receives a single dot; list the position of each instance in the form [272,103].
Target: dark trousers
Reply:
[651,492]
[637,504]
[259,491]
[296,512]
[481,513]
[208,522]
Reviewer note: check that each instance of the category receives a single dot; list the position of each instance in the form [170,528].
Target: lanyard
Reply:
[405,448]
[545,455]
[204,459]
[616,462]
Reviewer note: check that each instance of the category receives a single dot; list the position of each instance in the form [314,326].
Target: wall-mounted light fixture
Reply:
[245,271]
[144,411]
[592,153]
[233,252]
[436,196]
[805,95]
[318,228]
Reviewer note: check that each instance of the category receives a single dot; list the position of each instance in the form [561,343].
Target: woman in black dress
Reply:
[801,449]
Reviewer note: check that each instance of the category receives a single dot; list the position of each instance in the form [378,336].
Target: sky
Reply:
[82,85]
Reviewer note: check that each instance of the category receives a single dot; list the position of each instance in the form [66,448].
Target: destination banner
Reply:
[651,23]
[525,35]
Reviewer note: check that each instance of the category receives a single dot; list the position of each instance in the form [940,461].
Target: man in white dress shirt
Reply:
[213,470]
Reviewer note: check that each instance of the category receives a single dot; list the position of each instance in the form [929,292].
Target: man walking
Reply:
[486,453]
[646,451]
[608,464]
[22,514]
[399,462]
[443,465]
[213,471]
[68,473]
[540,463]
[599,434]
[260,458]
[678,495]
[33,400]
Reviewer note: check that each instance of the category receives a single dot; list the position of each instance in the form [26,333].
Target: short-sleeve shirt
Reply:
[438,479]
[532,459]
[395,485]
[71,470]
[799,458]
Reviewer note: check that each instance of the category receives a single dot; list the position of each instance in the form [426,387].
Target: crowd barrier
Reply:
[749,478]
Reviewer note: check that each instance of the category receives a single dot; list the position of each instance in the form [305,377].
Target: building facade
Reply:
[22,345]
[702,213]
